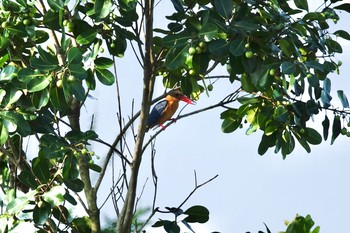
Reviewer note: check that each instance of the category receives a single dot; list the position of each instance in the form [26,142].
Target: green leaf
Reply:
[82,224]
[312,136]
[38,83]
[70,168]
[43,65]
[333,46]
[177,40]
[18,29]
[41,214]
[302,4]
[343,34]
[28,179]
[40,99]
[266,142]
[208,31]
[103,62]
[344,7]
[286,47]
[224,7]
[288,67]
[127,5]
[9,117]
[237,46]
[57,98]
[3,133]
[171,227]
[41,169]
[178,6]
[78,71]
[219,48]
[343,99]
[55,196]
[17,205]
[75,56]
[105,76]
[85,33]
[56,5]
[176,57]
[325,124]
[8,73]
[336,129]
[197,213]
[40,37]
[102,8]
[230,124]
[75,185]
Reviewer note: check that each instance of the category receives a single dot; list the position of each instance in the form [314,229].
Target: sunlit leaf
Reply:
[102,8]
[55,196]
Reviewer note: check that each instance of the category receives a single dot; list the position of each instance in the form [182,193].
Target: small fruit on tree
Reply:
[192,50]
[249,54]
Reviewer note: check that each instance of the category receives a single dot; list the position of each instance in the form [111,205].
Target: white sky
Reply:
[250,189]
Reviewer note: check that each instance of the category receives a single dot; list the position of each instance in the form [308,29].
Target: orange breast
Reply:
[169,111]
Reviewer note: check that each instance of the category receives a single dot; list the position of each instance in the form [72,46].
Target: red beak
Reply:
[186,99]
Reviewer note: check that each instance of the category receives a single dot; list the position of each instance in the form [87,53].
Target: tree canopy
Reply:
[277,56]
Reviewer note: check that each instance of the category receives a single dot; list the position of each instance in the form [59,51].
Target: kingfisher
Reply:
[165,109]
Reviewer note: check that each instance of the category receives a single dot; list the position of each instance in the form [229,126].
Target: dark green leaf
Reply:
[224,7]
[344,7]
[41,64]
[28,179]
[219,48]
[176,57]
[105,76]
[103,62]
[333,46]
[302,4]
[75,56]
[75,185]
[41,169]
[230,124]
[78,71]
[343,34]
[102,8]
[177,40]
[343,99]
[178,6]
[95,167]
[288,67]
[56,5]
[208,31]
[312,136]
[237,46]
[40,37]
[286,47]
[336,129]
[38,83]
[325,124]
[197,213]
[171,227]
[41,214]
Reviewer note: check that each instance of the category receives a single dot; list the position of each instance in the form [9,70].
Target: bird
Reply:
[165,109]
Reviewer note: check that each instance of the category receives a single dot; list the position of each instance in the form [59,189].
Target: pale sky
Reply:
[251,189]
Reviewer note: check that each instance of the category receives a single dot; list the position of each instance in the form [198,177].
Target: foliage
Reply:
[51,57]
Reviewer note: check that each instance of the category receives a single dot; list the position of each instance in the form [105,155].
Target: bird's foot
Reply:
[173,120]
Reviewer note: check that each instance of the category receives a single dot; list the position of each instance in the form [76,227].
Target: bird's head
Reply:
[177,94]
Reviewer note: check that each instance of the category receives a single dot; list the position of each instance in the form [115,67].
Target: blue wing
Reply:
[156,113]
